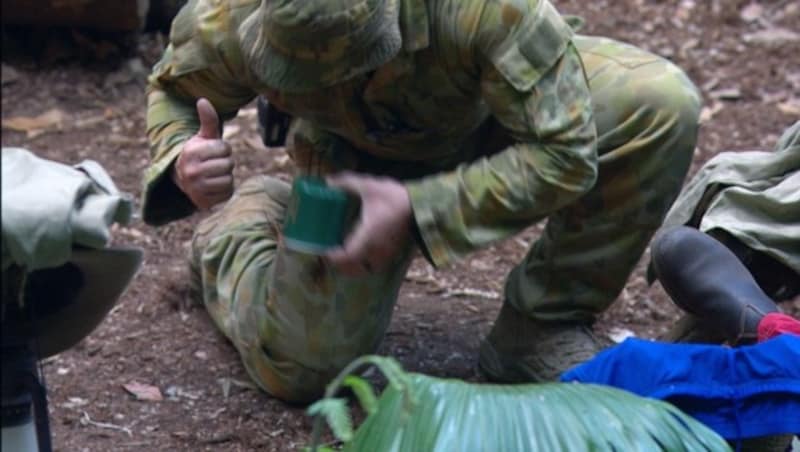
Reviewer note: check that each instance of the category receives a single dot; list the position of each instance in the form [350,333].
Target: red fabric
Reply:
[775,323]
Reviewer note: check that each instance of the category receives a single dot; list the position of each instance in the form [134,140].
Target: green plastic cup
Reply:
[316,217]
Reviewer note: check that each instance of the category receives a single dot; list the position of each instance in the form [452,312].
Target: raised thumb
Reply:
[209,121]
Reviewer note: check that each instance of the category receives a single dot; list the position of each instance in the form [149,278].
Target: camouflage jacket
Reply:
[462,62]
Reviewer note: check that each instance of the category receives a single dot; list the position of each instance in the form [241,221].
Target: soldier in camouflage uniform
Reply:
[458,123]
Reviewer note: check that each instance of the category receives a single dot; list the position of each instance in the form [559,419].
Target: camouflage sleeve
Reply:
[533,81]
[203,59]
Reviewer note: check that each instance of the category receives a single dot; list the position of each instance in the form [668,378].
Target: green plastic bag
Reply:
[424,414]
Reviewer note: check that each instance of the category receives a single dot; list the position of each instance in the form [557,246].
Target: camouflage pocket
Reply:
[316,152]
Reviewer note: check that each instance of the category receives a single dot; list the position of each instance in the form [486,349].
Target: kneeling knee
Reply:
[291,382]
[673,99]
[286,379]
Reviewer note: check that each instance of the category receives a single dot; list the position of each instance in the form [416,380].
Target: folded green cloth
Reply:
[49,207]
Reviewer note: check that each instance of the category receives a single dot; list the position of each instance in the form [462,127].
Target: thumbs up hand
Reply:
[204,168]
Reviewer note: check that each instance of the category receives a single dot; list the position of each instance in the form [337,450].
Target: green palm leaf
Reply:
[425,414]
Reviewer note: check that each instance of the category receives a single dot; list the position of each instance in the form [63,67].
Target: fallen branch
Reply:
[87,420]
[468,292]
[221,438]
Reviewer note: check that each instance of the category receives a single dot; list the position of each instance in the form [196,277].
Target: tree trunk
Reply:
[107,15]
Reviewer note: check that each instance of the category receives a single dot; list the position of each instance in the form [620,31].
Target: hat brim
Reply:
[105,275]
[282,72]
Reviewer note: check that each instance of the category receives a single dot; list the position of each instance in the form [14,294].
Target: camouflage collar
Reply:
[414,25]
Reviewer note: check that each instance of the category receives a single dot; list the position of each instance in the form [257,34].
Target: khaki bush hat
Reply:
[307,45]
[70,301]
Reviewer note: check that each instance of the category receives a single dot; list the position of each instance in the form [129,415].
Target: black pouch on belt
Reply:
[273,123]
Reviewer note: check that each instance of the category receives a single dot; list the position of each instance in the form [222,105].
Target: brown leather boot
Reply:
[519,349]
[705,279]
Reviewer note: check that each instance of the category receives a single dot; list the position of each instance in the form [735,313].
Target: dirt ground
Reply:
[744,56]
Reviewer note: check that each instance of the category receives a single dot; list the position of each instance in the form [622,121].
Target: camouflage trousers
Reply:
[296,322]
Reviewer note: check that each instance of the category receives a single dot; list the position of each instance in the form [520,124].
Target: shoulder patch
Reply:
[539,41]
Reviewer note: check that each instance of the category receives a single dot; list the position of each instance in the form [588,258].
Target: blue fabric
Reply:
[738,392]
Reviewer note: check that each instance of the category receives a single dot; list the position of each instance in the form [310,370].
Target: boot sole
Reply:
[500,370]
